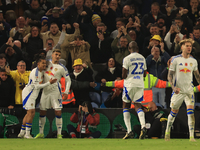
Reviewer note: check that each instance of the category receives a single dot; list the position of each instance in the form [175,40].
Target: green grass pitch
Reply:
[98,144]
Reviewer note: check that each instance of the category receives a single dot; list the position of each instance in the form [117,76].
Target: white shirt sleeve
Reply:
[125,63]
[173,65]
[65,74]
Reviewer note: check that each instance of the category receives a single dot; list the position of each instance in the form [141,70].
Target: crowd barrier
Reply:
[109,120]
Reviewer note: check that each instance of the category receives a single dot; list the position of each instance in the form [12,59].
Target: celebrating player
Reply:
[51,95]
[29,95]
[134,68]
[180,77]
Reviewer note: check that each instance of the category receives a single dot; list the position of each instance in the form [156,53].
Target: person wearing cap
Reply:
[4,29]
[155,65]
[81,73]
[155,40]
[44,24]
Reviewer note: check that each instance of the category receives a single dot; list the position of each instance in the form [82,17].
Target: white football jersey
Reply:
[56,71]
[35,84]
[183,68]
[135,63]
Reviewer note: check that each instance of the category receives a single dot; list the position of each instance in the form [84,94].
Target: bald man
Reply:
[13,52]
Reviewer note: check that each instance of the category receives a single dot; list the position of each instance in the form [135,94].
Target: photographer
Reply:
[87,120]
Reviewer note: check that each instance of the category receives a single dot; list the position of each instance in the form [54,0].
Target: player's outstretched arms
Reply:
[197,76]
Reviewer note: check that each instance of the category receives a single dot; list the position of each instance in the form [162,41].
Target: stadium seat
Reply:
[35,125]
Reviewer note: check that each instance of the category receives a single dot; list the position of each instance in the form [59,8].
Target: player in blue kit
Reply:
[30,94]
[134,69]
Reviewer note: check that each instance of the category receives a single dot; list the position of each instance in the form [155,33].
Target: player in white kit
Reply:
[134,69]
[180,76]
[30,94]
[51,95]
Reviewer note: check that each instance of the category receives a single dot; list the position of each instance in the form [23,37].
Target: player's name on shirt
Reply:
[136,59]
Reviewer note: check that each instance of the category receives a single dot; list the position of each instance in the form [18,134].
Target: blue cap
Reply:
[44,18]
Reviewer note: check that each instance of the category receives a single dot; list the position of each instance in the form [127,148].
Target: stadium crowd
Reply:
[93,36]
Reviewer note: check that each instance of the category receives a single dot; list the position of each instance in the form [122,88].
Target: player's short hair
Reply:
[40,58]
[133,46]
[154,25]
[49,39]
[2,56]
[121,20]
[21,61]
[53,23]
[182,42]
[196,28]
[101,24]
[178,18]
[57,50]
[80,37]
[2,70]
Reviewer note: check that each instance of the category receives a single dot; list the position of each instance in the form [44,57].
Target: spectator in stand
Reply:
[172,37]
[21,30]
[33,46]
[89,31]
[44,24]
[170,10]
[119,23]
[120,45]
[108,17]
[152,16]
[161,26]
[77,12]
[66,4]
[3,62]
[46,5]
[89,4]
[7,90]
[54,16]
[114,5]
[4,29]
[35,12]
[126,13]
[155,65]
[80,49]
[154,30]
[20,77]
[81,73]
[13,52]
[19,6]
[193,11]
[195,35]
[154,41]
[89,118]
[101,50]
[112,72]
[55,34]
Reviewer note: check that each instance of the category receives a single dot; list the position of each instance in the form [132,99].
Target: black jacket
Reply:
[15,58]
[7,92]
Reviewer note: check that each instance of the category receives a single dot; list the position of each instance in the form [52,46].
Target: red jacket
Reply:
[91,119]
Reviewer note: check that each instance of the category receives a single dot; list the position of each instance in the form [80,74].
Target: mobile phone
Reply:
[50,44]
[45,23]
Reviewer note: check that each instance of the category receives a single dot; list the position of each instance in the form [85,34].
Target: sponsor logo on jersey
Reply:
[181,64]
[40,82]
[49,73]
[185,70]
[136,77]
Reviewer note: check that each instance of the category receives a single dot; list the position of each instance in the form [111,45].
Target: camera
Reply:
[50,44]
[100,31]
